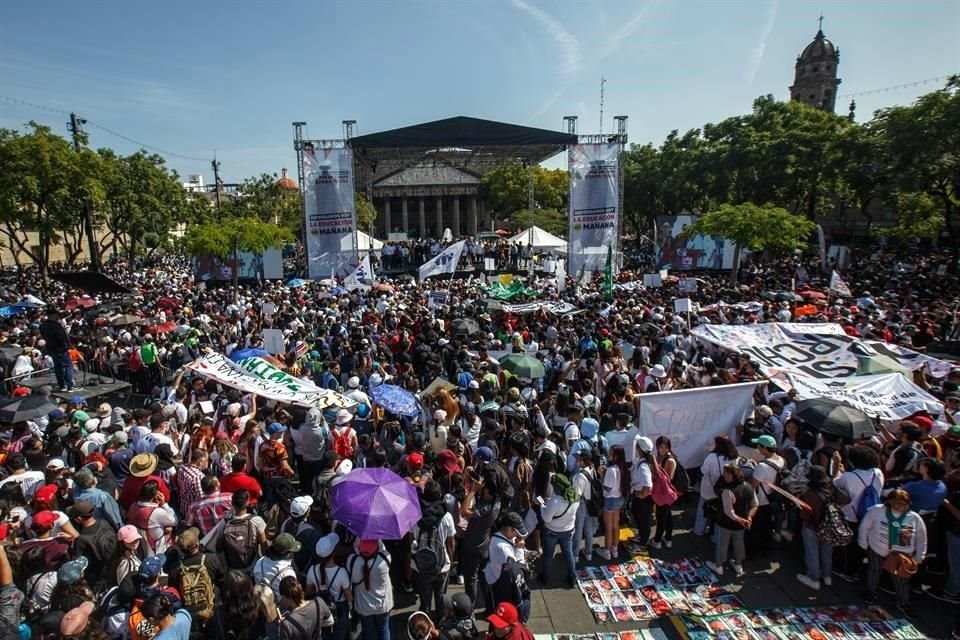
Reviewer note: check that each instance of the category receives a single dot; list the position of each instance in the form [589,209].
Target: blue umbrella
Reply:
[297,282]
[239,354]
[395,400]
[6,312]
[336,291]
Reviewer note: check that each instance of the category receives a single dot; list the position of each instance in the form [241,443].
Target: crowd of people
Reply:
[205,512]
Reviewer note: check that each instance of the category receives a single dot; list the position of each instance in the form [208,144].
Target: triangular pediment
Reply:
[427,173]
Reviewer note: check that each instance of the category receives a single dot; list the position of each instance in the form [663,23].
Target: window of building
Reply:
[829,67]
[815,69]
[813,97]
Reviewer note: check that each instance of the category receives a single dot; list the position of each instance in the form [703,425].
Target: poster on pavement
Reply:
[889,396]
[328,203]
[257,375]
[819,350]
[593,210]
[691,418]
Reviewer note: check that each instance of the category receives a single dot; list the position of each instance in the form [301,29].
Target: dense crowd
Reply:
[206,512]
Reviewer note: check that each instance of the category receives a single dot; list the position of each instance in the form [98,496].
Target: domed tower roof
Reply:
[286,183]
[818,50]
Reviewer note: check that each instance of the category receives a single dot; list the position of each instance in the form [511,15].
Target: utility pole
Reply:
[75,126]
[216,180]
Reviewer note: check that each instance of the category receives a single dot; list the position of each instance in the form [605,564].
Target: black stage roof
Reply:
[472,144]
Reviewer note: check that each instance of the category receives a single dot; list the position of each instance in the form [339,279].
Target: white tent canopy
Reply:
[540,239]
[365,242]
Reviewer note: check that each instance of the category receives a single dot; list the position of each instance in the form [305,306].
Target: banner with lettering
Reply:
[256,375]
[692,418]
[889,396]
[820,350]
[329,208]
[593,209]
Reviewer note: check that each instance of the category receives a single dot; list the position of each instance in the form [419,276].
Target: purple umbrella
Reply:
[375,504]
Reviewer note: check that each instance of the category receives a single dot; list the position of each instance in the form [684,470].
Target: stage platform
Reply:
[94,386]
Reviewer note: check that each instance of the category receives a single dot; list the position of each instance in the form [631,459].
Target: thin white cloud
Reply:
[613,40]
[566,41]
[756,56]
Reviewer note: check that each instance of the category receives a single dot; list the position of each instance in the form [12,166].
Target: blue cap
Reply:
[275,427]
[78,400]
[589,428]
[150,568]
[485,454]
[57,414]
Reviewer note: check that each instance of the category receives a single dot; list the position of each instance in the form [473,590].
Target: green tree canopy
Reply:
[506,189]
[756,227]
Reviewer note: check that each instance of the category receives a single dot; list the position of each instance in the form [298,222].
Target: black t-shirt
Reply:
[477,534]
[98,543]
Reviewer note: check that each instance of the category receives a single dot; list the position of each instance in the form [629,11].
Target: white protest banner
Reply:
[664,274]
[593,215]
[683,305]
[268,308]
[256,375]
[358,278]
[489,264]
[889,396]
[692,418]
[837,285]
[556,308]
[688,285]
[330,210]
[273,341]
[820,350]
[652,280]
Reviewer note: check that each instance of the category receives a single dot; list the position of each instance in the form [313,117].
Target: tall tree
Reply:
[225,240]
[366,213]
[923,144]
[506,189]
[758,228]
[39,182]
[267,198]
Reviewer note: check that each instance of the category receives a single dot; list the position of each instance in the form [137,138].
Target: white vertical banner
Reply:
[330,210]
[691,418]
[594,196]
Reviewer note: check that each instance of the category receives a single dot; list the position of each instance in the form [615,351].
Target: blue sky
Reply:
[191,77]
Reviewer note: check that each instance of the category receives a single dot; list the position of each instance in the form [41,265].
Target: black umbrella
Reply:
[90,281]
[26,408]
[464,326]
[835,417]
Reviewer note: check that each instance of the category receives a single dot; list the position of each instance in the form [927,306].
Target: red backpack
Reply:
[342,445]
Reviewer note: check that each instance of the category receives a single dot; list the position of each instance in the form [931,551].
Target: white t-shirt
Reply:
[712,469]
[40,588]
[272,571]
[559,515]
[28,480]
[855,483]
[611,483]
[767,470]
[581,482]
[641,476]
[624,439]
[446,530]
[501,550]
[335,578]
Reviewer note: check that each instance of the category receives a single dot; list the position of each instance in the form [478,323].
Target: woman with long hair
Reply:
[817,554]
[159,611]
[668,462]
[239,615]
[616,486]
[302,618]
[724,451]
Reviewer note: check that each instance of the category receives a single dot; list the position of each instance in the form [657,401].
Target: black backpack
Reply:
[239,542]
[681,479]
[595,503]
[428,558]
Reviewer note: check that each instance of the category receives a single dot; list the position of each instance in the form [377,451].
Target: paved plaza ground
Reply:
[769,582]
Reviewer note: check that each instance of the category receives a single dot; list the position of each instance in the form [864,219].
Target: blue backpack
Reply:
[868,499]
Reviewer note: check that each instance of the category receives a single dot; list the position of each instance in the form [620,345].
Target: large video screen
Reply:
[677,253]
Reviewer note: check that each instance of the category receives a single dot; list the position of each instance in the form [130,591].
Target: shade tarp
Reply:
[90,281]
[365,242]
[540,240]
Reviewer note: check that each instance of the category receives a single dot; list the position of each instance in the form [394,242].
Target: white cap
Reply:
[572,432]
[300,505]
[644,443]
[91,425]
[326,545]
[439,415]
[657,371]
[345,467]
[353,382]
[473,384]
[443,342]
[344,417]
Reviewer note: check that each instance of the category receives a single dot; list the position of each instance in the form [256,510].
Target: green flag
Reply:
[608,275]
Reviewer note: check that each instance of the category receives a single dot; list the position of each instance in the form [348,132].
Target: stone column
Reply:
[472,217]
[456,217]
[387,226]
[423,220]
[439,229]
[404,215]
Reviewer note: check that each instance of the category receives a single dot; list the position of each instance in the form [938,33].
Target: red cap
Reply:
[96,456]
[45,494]
[368,548]
[604,332]
[922,421]
[503,616]
[415,461]
[21,392]
[45,519]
